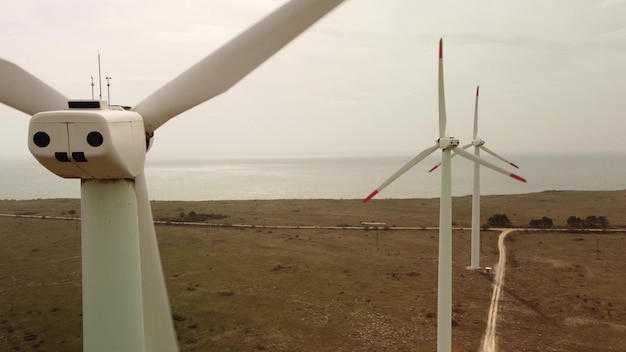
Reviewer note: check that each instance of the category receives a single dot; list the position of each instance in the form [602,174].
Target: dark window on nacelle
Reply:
[95,139]
[41,139]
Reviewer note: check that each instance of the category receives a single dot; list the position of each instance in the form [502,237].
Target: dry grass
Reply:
[332,290]
[561,294]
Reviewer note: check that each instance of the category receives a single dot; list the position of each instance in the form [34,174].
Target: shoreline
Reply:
[393,212]
[379,197]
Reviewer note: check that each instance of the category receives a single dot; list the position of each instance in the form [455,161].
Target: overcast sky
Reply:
[363,80]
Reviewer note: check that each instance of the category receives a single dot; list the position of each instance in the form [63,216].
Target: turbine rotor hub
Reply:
[477,142]
[447,143]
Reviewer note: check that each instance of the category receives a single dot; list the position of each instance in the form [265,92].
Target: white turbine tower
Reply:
[125,303]
[478,145]
[444,281]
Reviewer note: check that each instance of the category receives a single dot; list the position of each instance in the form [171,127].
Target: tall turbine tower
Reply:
[478,145]
[125,304]
[447,145]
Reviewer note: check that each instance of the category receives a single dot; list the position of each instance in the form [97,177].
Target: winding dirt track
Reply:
[489,339]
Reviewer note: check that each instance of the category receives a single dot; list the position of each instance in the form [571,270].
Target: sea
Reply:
[327,177]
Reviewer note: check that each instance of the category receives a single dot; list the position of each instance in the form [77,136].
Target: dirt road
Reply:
[489,339]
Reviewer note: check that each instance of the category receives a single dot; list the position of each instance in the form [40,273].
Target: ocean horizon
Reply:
[327,177]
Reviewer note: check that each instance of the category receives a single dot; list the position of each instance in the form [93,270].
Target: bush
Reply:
[499,220]
[575,222]
[603,222]
[544,222]
[192,216]
[591,221]
[596,222]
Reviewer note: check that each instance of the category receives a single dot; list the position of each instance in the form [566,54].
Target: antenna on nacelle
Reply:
[91,87]
[108,89]
[99,76]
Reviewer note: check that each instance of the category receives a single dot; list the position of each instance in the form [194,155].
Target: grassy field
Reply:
[255,289]
[564,292]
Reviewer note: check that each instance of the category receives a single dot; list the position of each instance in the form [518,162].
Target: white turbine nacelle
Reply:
[447,142]
[477,142]
[91,140]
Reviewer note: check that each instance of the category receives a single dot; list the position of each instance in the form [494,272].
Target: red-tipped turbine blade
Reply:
[474,158]
[367,199]
[476,114]
[498,156]
[403,169]
[442,98]
[519,178]
[452,156]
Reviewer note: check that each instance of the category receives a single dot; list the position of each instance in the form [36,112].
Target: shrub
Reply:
[590,221]
[575,222]
[499,220]
[596,222]
[544,222]
[603,222]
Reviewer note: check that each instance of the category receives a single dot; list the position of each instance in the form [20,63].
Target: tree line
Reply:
[574,222]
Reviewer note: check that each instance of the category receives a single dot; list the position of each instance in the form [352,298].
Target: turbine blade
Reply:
[452,156]
[470,156]
[226,66]
[405,168]
[442,98]
[159,329]
[27,93]
[434,167]
[498,156]
[476,114]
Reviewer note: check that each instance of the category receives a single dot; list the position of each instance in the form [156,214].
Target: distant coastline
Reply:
[520,208]
[325,177]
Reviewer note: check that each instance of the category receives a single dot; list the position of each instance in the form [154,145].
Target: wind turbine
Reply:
[125,303]
[478,145]
[447,145]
